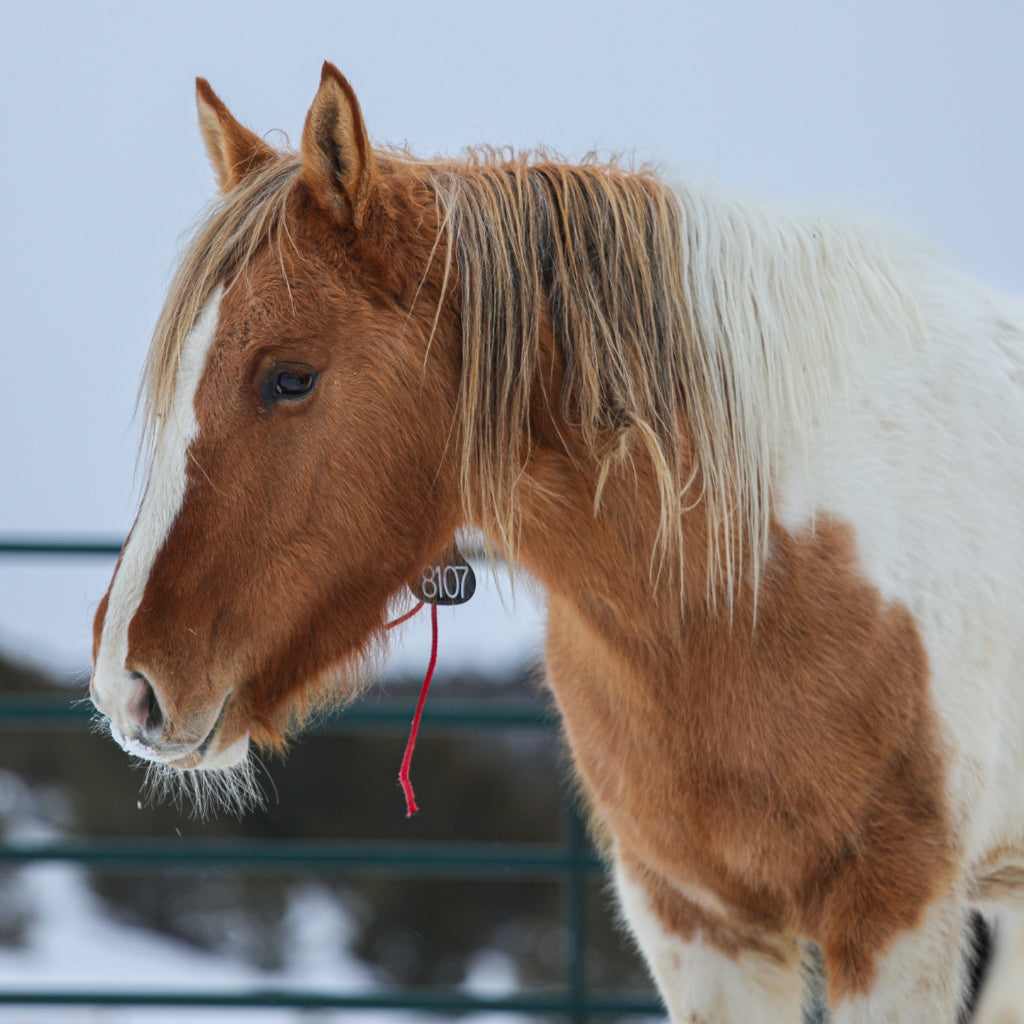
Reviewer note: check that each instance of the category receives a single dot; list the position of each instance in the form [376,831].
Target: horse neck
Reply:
[606,564]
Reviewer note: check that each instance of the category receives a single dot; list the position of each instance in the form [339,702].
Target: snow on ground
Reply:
[72,944]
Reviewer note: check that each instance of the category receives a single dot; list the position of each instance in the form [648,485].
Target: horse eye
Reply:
[291,383]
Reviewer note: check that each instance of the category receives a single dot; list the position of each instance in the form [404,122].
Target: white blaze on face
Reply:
[112,685]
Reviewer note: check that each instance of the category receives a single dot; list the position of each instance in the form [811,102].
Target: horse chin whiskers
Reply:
[205,792]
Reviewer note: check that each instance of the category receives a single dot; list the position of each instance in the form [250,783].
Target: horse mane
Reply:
[670,308]
[682,318]
[597,249]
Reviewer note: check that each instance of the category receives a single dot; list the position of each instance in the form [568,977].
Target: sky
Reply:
[909,108]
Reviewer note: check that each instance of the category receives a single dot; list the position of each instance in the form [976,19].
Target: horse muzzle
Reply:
[139,724]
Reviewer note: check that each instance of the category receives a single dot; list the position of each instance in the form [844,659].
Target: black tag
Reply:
[450,581]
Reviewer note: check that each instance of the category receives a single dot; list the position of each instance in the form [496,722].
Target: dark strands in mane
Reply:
[600,250]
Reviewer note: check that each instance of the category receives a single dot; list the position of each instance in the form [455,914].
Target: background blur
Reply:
[909,108]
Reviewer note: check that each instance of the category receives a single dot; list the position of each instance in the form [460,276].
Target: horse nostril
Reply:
[148,712]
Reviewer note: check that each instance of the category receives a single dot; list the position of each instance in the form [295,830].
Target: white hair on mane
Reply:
[776,298]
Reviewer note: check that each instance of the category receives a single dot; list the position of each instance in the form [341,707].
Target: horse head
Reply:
[301,413]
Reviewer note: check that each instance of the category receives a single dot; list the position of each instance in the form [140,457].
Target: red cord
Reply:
[403,774]
[404,618]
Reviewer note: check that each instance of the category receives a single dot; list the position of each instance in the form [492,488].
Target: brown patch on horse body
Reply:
[733,931]
[793,767]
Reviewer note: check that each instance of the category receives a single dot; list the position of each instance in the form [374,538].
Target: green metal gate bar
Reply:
[59,548]
[429,1001]
[420,859]
[33,711]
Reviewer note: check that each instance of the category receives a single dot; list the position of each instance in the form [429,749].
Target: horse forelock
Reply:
[233,229]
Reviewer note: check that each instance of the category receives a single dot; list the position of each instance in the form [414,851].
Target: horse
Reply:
[763,460]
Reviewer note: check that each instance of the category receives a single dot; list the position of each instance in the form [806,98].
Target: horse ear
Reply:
[234,151]
[336,155]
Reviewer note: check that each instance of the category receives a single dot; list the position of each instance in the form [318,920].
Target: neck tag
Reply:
[448,581]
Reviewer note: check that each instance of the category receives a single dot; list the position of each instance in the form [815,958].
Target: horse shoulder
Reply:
[793,768]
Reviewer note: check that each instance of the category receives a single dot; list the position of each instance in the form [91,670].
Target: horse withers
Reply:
[765,463]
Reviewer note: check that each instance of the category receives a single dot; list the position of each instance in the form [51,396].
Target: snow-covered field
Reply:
[72,944]
[67,941]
